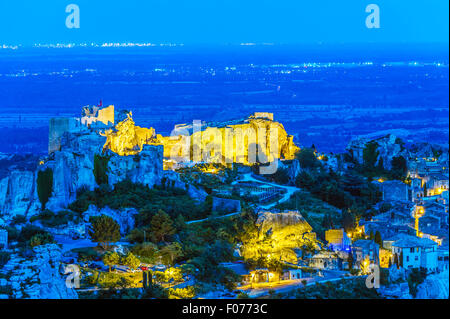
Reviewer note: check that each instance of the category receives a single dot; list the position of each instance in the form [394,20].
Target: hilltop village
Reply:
[231,209]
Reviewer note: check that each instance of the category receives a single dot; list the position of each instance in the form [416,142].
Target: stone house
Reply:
[415,252]
[338,239]
[395,191]
[365,252]
[326,260]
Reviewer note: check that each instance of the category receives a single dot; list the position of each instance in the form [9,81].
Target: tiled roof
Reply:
[364,243]
[412,241]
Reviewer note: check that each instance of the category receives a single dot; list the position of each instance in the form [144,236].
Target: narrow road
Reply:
[210,218]
[289,189]
[249,178]
[288,285]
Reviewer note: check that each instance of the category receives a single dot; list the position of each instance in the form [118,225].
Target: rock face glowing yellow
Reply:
[257,139]
[127,138]
[277,236]
[92,114]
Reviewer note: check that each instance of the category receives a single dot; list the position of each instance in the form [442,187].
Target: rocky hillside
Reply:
[40,277]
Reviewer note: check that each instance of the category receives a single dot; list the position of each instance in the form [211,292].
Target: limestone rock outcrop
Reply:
[124,217]
[145,167]
[258,138]
[18,194]
[38,277]
[435,286]
[280,234]
[388,147]
[73,167]
[395,291]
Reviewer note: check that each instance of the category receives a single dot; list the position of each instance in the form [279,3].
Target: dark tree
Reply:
[378,239]
[307,158]
[161,226]
[399,167]
[104,230]
[100,169]
[45,186]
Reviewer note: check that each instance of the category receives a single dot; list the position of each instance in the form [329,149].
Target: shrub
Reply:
[182,293]
[41,239]
[243,295]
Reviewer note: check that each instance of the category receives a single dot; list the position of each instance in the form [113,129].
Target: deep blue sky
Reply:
[224,21]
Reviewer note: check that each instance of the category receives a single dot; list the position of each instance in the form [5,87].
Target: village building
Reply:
[338,239]
[394,191]
[364,253]
[414,252]
[292,274]
[326,260]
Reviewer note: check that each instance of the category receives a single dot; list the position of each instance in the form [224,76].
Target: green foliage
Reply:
[155,291]
[131,261]
[370,154]
[49,219]
[29,231]
[171,253]
[161,226]
[349,191]
[101,169]
[126,194]
[399,168]
[104,230]
[146,251]
[378,239]
[45,185]
[307,158]
[281,176]
[348,221]
[243,295]
[19,219]
[87,253]
[41,239]
[415,278]
[4,258]
[209,269]
[327,222]
[111,259]
[182,293]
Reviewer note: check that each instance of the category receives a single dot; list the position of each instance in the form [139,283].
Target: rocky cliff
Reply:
[38,277]
[73,169]
[434,287]
[18,194]
[388,147]
[145,167]
[279,235]
[124,217]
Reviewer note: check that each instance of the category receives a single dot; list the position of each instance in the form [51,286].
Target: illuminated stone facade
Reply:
[126,138]
[256,139]
[93,114]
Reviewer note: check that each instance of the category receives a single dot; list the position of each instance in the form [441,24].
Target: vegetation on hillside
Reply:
[101,169]
[44,186]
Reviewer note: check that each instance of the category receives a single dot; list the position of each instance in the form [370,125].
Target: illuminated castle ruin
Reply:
[94,114]
[126,138]
[257,138]
[94,117]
